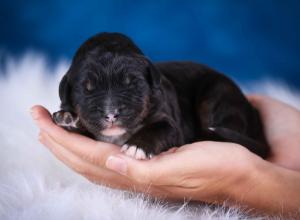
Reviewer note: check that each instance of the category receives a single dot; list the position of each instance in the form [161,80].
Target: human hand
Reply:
[199,171]
[82,154]
[203,171]
[282,130]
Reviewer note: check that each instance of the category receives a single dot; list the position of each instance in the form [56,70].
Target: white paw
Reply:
[134,151]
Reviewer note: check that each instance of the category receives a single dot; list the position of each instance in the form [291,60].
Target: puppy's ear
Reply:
[65,94]
[153,76]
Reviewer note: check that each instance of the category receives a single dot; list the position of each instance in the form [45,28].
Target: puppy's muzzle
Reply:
[111,117]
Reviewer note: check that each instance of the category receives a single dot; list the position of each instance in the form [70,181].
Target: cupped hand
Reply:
[199,171]
[282,129]
[203,171]
[84,155]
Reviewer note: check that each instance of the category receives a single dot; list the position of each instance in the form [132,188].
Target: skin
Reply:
[207,171]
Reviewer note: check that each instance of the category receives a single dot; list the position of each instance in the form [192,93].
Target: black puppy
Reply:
[113,93]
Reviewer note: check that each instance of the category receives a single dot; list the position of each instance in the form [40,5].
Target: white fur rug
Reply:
[35,185]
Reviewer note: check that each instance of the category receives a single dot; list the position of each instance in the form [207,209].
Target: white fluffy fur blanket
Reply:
[35,185]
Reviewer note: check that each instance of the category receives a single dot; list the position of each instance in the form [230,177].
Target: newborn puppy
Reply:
[113,93]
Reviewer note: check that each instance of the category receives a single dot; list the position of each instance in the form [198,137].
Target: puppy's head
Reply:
[110,93]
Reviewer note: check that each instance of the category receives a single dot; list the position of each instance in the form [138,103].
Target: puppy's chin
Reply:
[113,131]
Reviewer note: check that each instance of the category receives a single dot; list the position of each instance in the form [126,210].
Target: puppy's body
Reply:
[118,96]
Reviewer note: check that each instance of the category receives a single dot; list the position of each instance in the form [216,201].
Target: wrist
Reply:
[244,178]
[266,188]
[239,177]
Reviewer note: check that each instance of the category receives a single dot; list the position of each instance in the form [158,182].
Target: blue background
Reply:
[247,40]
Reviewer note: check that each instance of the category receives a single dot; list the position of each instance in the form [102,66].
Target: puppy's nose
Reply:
[111,117]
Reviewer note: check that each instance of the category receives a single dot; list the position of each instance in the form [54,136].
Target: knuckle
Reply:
[92,158]
[80,169]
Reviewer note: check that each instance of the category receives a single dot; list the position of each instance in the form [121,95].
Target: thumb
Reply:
[141,171]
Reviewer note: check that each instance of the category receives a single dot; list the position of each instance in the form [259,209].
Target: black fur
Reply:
[159,105]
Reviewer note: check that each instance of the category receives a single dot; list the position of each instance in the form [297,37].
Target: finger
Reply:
[157,171]
[255,99]
[94,173]
[89,149]
[71,160]
[164,169]
[260,102]
[252,97]
[44,121]
[91,171]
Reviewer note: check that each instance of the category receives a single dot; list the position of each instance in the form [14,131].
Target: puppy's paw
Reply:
[135,152]
[65,119]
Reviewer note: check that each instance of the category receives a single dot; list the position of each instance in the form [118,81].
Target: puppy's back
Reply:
[211,99]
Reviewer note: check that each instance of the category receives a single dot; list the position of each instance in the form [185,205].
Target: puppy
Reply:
[113,93]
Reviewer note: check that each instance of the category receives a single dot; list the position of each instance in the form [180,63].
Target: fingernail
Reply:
[117,164]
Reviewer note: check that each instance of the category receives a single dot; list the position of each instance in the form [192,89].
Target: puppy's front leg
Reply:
[152,140]
[65,119]
[68,121]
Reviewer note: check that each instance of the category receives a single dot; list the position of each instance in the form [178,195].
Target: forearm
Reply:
[268,188]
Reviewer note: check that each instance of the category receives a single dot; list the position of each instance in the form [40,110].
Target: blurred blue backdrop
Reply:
[247,40]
